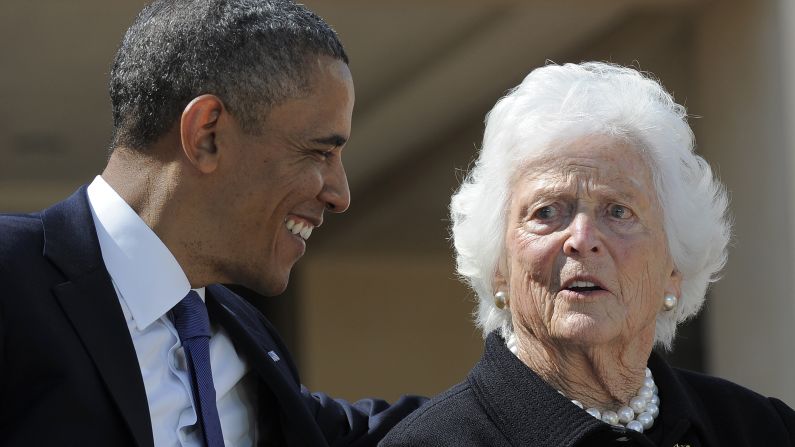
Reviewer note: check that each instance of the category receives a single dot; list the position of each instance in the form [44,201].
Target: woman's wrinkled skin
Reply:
[587,211]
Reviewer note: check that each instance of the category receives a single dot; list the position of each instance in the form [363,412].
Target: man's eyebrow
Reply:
[332,140]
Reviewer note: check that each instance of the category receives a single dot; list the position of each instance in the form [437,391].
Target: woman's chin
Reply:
[584,329]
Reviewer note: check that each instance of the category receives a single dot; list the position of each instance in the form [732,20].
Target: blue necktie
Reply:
[193,326]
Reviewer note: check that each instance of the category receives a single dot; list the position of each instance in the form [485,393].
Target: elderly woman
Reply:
[589,229]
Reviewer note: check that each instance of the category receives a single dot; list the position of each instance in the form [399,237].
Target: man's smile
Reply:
[299,227]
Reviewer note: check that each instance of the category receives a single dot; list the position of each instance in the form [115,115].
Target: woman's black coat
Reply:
[504,403]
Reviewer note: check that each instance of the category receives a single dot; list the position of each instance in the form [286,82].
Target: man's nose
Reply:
[335,193]
[584,237]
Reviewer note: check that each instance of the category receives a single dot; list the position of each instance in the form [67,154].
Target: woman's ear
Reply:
[198,129]
[674,284]
[500,281]
[500,285]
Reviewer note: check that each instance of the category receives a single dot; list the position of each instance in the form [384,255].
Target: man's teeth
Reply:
[300,228]
[582,284]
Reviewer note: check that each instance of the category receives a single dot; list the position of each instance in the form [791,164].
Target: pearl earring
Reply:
[669,302]
[501,299]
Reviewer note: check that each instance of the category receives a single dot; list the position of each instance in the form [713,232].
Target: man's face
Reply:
[277,184]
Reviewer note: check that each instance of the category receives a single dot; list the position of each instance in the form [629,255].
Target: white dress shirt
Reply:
[149,282]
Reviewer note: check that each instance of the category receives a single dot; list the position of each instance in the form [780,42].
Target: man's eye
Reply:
[619,212]
[324,153]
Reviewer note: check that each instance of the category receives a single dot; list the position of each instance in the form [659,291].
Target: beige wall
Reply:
[384,325]
[743,131]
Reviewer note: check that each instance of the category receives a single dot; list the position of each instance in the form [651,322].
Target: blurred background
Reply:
[375,308]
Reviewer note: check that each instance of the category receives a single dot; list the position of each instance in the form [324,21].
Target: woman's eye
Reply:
[546,213]
[619,212]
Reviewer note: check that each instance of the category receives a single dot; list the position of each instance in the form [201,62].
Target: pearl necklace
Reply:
[640,413]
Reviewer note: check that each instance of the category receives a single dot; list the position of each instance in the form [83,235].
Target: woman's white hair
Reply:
[556,104]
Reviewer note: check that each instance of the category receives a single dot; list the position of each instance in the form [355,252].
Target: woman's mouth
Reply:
[583,287]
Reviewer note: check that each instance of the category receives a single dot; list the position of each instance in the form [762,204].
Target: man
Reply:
[229,122]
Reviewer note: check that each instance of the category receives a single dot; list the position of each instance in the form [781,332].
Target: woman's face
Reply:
[586,258]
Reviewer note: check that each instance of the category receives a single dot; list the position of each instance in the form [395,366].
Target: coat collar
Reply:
[681,409]
[70,239]
[530,412]
[268,358]
[90,303]
[525,409]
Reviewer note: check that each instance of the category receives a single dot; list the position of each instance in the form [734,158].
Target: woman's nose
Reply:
[583,238]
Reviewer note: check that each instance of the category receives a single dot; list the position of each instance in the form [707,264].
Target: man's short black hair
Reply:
[253,54]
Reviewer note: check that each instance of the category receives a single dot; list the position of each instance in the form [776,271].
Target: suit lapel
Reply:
[266,359]
[90,303]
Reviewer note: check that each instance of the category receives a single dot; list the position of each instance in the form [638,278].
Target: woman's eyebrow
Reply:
[553,192]
[566,192]
[630,195]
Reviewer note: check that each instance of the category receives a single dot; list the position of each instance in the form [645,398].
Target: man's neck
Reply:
[150,186]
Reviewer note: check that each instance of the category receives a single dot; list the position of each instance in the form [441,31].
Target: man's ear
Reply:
[198,126]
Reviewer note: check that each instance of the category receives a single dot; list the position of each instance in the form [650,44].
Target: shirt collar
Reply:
[148,277]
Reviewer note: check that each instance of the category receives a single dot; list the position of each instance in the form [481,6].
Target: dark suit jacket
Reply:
[69,374]
[504,403]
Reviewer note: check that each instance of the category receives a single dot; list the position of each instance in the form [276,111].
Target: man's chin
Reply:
[261,284]
[263,278]
[270,286]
